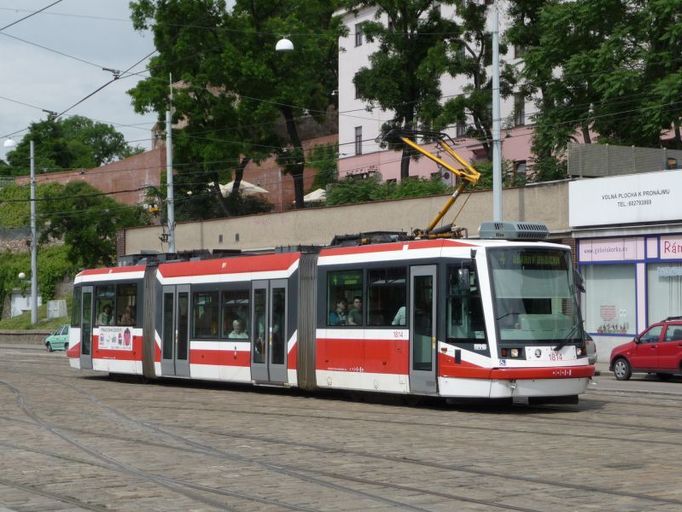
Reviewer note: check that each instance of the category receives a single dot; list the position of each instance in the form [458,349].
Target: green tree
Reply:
[325,159]
[239,99]
[604,67]
[468,54]
[404,73]
[87,221]
[74,142]
[54,264]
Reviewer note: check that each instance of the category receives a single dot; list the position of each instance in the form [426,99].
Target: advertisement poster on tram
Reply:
[115,338]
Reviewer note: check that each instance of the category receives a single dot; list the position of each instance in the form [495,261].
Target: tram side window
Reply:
[105,297]
[235,314]
[205,308]
[76,308]
[387,293]
[126,305]
[342,287]
[464,309]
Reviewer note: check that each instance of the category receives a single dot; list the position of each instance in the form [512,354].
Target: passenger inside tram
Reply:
[338,316]
[238,330]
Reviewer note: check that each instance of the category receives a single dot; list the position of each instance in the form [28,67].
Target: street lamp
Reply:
[9,143]
[284,45]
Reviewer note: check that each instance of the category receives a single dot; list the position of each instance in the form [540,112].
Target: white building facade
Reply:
[360,125]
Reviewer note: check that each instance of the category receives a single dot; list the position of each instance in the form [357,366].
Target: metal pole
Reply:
[170,205]
[497,144]
[34,241]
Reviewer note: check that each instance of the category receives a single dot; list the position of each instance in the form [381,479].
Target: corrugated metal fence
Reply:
[597,160]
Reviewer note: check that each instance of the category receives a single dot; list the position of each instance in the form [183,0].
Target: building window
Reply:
[461,130]
[358,34]
[519,51]
[358,140]
[610,299]
[520,168]
[519,110]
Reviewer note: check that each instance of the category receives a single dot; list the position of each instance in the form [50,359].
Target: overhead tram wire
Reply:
[117,76]
[47,48]
[33,13]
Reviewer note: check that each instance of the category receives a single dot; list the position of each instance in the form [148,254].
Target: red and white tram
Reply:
[447,317]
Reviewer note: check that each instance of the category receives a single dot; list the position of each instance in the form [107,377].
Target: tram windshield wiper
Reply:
[568,338]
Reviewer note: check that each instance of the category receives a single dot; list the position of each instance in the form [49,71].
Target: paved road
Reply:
[73,441]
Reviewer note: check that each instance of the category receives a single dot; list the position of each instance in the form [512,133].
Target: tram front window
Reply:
[533,294]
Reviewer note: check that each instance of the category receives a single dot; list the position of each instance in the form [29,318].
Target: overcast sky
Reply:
[97,31]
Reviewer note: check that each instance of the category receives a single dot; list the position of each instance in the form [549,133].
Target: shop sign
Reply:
[671,248]
[643,197]
[611,249]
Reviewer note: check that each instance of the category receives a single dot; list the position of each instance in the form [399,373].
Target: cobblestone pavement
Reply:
[73,441]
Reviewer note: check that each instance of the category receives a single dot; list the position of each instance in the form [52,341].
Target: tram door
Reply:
[86,328]
[423,329]
[269,340]
[175,331]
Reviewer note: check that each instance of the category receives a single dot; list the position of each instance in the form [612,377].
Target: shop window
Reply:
[610,299]
[664,281]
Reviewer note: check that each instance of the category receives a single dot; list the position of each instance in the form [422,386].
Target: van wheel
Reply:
[622,369]
[49,347]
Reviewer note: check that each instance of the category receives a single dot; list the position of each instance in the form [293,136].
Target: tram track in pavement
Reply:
[173,484]
[209,450]
[35,490]
[112,464]
[291,469]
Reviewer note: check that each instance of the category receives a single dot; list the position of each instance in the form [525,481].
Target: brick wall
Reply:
[126,177]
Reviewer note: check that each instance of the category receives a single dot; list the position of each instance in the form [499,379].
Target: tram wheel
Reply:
[622,369]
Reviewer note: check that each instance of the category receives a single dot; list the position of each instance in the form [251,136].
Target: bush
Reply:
[350,190]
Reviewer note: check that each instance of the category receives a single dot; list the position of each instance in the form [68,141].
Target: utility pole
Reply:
[170,202]
[497,143]
[34,240]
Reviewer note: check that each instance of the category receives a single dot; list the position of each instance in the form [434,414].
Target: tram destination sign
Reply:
[643,197]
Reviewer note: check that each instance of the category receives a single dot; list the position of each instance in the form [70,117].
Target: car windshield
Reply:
[534,295]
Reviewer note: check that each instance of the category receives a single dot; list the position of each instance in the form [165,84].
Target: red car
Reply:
[657,350]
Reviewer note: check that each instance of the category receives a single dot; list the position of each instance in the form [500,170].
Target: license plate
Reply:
[566,353]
